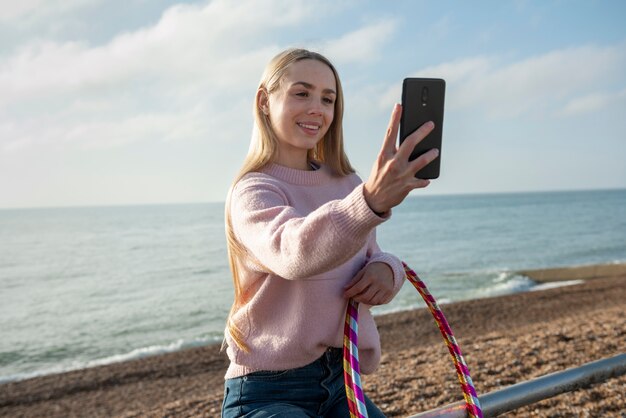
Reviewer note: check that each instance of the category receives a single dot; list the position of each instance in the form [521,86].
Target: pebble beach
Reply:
[505,340]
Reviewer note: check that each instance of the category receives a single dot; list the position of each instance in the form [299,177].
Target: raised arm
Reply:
[295,245]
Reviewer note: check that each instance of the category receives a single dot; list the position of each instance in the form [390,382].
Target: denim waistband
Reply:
[332,355]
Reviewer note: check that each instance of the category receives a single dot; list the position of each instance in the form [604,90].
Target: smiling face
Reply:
[301,110]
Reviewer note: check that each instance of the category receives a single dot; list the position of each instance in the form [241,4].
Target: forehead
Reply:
[310,71]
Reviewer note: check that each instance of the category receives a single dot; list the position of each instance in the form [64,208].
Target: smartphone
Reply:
[423,101]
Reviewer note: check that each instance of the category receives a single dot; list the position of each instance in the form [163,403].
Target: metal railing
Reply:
[544,387]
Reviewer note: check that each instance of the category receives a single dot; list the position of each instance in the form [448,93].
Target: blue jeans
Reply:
[316,390]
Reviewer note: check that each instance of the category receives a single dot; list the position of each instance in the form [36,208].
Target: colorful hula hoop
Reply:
[351,370]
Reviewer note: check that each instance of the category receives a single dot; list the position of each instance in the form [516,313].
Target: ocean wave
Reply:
[135,354]
[150,351]
[515,283]
[504,284]
[553,285]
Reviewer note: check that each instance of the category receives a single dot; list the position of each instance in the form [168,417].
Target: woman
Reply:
[300,226]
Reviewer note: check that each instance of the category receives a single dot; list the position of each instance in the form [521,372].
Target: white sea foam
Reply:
[149,351]
[517,283]
[553,285]
[506,283]
[132,355]
[503,276]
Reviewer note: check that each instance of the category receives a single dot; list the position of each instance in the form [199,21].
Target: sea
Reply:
[88,286]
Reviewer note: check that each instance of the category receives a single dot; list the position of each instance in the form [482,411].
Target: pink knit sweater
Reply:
[308,234]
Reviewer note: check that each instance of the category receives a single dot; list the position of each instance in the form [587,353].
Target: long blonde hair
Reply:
[263,151]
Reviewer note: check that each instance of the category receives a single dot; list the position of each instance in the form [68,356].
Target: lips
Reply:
[309,126]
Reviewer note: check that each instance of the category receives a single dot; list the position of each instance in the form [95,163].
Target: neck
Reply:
[299,164]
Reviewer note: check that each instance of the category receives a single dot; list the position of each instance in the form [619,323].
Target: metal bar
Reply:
[544,387]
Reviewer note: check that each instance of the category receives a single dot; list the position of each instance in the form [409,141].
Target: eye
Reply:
[328,100]
[302,94]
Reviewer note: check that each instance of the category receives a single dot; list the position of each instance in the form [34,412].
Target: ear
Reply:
[263,101]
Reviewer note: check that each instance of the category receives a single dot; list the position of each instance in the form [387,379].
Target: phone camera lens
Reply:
[424,96]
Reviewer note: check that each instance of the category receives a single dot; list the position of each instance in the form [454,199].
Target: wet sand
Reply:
[506,340]
[558,274]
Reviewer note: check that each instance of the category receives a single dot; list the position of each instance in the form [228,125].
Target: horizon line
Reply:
[208,202]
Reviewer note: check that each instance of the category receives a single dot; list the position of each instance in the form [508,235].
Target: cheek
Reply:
[328,122]
[329,116]
[277,115]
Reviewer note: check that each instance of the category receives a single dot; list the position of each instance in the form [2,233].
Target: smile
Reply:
[307,126]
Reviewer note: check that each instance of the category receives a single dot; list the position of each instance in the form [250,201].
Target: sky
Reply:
[150,101]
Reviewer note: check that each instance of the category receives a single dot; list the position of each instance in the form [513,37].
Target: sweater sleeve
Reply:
[294,245]
[376,255]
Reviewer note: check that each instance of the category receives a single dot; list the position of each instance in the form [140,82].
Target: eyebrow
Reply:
[312,87]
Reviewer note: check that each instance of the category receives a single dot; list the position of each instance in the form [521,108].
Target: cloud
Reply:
[13,11]
[594,102]
[455,72]
[362,45]
[17,9]
[196,67]
[188,44]
[140,83]
[542,84]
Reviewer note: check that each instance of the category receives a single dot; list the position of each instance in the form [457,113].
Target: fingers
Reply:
[423,160]
[355,286]
[389,144]
[406,148]
[373,297]
[373,285]
[369,298]
[420,183]
[393,175]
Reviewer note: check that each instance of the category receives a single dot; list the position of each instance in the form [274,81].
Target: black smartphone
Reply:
[423,101]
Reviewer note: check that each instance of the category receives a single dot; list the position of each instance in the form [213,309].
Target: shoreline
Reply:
[505,339]
[545,278]
[584,272]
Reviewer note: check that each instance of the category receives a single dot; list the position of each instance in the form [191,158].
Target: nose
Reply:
[315,111]
[315,108]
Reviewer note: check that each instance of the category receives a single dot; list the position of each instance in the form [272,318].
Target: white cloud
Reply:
[593,102]
[38,9]
[196,67]
[457,71]
[189,44]
[361,45]
[143,83]
[542,84]
[16,9]
[453,72]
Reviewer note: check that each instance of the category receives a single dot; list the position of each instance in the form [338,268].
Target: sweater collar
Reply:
[300,177]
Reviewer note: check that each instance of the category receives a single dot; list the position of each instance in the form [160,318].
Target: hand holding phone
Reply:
[393,176]
[423,101]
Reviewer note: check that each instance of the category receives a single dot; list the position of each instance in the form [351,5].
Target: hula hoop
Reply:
[352,372]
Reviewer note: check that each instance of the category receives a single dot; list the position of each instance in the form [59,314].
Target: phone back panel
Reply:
[423,101]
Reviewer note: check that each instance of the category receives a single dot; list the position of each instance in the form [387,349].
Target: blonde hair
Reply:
[263,150]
